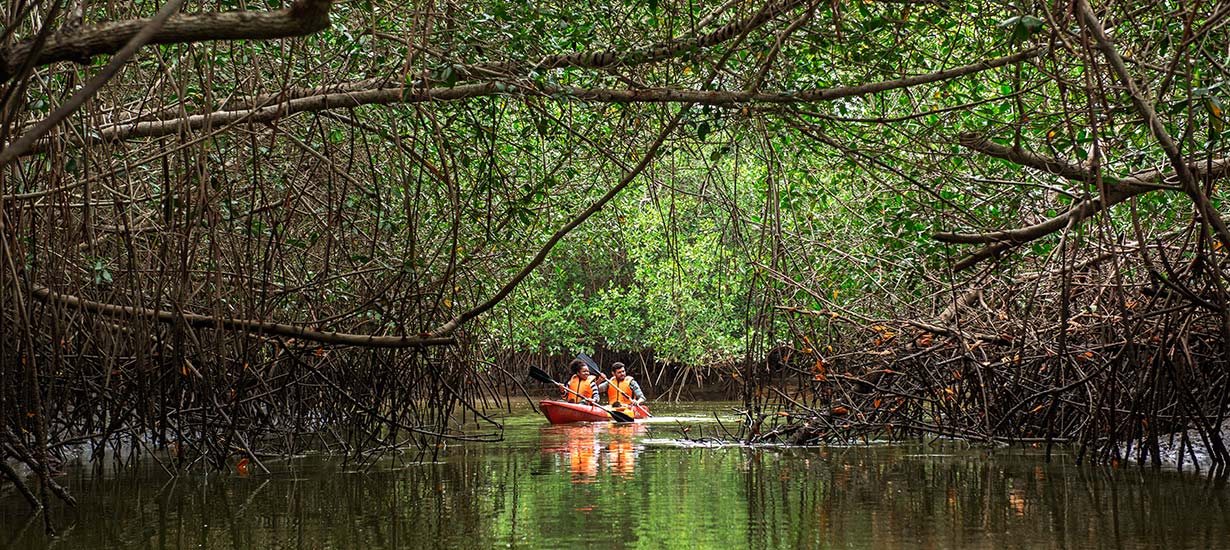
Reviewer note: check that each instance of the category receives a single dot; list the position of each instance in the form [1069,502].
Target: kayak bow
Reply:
[563,412]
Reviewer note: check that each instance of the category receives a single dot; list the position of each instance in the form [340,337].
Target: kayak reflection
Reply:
[593,449]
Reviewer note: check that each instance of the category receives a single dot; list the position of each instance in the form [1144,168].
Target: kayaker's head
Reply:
[579,368]
[619,370]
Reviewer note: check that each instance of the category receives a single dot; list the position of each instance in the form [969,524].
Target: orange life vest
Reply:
[612,391]
[584,387]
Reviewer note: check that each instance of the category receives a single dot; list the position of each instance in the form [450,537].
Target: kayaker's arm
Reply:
[636,392]
[598,387]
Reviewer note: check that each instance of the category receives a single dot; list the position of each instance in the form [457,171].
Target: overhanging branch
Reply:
[1117,191]
[381,94]
[301,18]
[608,58]
[1144,106]
[45,294]
[467,73]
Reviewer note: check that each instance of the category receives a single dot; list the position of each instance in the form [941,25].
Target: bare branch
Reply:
[980,143]
[379,94]
[301,18]
[138,40]
[1117,191]
[1145,108]
[45,294]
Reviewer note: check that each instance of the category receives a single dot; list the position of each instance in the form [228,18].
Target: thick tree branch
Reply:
[1081,211]
[829,94]
[301,18]
[379,94]
[607,58]
[1184,173]
[518,69]
[980,143]
[136,42]
[45,294]
[1117,191]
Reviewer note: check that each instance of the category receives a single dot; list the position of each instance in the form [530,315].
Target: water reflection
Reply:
[623,448]
[602,485]
[889,497]
[594,449]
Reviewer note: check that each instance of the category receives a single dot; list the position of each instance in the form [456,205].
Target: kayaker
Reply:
[581,383]
[622,390]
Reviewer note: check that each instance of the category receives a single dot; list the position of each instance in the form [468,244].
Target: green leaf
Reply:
[1217,114]
[1021,27]
[1032,24]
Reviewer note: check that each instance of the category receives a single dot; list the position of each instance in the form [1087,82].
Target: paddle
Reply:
[593,365]
[542,376]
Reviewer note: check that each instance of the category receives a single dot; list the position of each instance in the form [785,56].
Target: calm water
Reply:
[635,486]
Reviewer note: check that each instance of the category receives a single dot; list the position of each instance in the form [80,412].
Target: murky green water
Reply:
[633,486]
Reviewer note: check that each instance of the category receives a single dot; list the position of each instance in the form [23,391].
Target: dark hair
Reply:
[616,366]
[575,365]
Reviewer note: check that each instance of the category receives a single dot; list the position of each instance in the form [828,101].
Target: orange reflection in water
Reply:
[583,459]
[594,448]
[622,448]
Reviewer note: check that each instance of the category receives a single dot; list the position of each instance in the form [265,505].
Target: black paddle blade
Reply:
[593,365]
[619,416]
[541,375]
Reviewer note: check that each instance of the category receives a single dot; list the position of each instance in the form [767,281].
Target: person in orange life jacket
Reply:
[621,390]
[581,383]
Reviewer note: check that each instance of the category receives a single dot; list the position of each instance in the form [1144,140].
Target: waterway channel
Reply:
[642,485]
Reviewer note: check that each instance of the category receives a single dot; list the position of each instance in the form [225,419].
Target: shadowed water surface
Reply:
[642,486]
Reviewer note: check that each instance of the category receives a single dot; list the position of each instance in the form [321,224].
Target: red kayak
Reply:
[563,412]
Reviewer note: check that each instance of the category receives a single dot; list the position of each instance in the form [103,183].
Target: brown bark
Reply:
[96,82]
[606,59]
[1143,106]
[1117,191]
[379,95]
[45,294]
[301,18]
